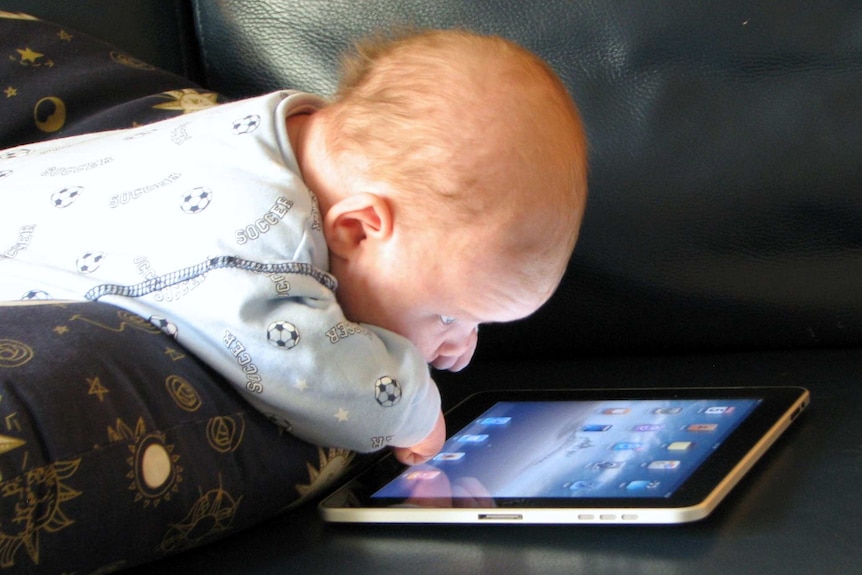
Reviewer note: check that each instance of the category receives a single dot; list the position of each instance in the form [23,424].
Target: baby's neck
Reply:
[307,137]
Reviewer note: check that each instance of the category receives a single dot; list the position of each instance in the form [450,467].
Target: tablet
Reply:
[578,456]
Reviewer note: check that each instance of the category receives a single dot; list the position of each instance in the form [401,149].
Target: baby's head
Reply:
[466,155]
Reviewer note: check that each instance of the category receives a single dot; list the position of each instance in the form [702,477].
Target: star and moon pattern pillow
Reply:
[117,446]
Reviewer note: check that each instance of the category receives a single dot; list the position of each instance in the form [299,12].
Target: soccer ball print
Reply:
[246,125]
[195,201]
[35,295]
[387,391]
[282,334]
[167,327]
[90,262]
[66,197]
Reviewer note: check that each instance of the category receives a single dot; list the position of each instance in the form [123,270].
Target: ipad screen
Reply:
[576,449]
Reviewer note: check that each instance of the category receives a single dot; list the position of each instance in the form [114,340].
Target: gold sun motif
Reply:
[154,474]
[187,100]
[333,463]
[8,443]
[30,506]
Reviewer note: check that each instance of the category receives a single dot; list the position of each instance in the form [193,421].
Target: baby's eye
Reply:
[446,320]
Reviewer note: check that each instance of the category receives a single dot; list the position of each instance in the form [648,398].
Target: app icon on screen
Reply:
[628,446]
[423,475]
[664,465]
[680,445]
[647,427]
[702,427]
[602,465]
[616,411]
[477,438]
[596,427]
[449,456]
[578,486]
[495,421]
[640,485]
[719,410]
[667,410]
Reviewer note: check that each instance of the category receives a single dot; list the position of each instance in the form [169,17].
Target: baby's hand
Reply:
[425,449]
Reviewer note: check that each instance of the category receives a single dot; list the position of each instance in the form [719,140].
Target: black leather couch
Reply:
[722,246]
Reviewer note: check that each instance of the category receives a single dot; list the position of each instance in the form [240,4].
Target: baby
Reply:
[321,254]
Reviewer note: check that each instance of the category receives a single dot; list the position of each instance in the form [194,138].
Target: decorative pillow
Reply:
[118,447]
[57,82]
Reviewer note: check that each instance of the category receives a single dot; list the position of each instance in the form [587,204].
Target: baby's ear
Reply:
[356,218]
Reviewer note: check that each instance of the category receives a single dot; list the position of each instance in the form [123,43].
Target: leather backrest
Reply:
[726,156]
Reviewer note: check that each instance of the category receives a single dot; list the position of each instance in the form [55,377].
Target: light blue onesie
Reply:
[203,225]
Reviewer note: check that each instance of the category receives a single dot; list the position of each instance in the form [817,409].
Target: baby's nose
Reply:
[456,351]
[459,343]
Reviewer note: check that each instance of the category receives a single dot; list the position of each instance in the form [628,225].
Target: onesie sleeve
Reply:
[327,380]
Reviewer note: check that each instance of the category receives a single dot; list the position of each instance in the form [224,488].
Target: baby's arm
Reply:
[425,449]
[335,383]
